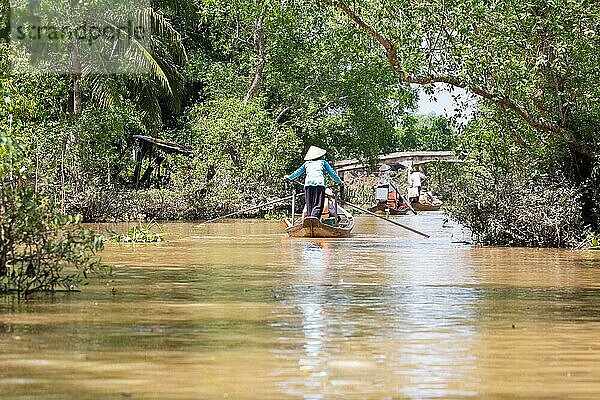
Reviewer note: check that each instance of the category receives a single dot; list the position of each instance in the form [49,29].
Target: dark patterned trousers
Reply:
[314,197]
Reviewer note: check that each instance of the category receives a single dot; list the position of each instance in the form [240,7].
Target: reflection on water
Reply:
[314,322]
[239,310]
[418,329]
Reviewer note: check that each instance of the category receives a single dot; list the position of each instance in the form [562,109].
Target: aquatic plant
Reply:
[140,233]
[593,240]
[276,215]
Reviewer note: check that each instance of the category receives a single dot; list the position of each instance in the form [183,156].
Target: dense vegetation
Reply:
[534,66]
[258,83]
[249,85]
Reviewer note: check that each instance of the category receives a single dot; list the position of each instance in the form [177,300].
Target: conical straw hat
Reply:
[384,167]
[313,153]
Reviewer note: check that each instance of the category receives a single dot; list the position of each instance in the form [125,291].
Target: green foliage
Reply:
[243,140]
[335,93]
[4,20]
[360,193]
[515,189]
[533,62]
[147,71]
[244,152]
[29,100]
[141,233]
[315,80]
[425,132]
[65,154]
[594,240]
[104,143]
[39,249]
[275,215]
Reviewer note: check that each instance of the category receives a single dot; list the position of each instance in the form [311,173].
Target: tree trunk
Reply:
[75,76]
[260,48]
[77,106]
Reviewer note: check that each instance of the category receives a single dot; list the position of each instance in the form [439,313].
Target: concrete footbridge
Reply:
[406,159]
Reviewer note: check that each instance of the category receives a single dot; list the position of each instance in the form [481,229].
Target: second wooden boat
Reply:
[389,201]
[418,206]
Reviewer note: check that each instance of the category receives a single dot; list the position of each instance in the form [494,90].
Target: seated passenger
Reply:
[329,206]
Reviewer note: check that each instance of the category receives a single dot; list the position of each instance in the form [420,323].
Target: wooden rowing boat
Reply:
[313,227]
[389,201]
[418,206]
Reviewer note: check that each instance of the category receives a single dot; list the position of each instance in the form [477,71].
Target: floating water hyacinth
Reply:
[140,234]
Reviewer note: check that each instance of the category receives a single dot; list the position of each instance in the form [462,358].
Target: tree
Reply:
[139,58]
[425,132]
[291,58]
[536,60]
[334,94]
[243,141]
[533,63]
[156,80]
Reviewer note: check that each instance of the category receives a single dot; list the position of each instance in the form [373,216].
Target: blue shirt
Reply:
[315,173]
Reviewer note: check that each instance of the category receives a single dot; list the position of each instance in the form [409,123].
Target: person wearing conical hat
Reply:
[385,174]
[315,168]
[384,167]
[385,179]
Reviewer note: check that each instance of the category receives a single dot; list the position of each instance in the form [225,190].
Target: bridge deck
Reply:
[406,158]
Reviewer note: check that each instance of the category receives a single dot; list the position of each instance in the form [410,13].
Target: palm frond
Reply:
[155,63]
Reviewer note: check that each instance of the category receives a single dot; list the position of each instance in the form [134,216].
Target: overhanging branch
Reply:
[505,101]
[390,50]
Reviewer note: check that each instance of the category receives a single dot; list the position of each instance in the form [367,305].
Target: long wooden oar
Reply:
[251,208]
[410,207]
[388,220]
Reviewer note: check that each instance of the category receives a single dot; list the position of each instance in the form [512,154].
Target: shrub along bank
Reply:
[39,248]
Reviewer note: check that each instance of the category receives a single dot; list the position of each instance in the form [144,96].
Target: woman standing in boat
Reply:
[315,168]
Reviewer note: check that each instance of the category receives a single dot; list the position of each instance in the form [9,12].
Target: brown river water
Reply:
[238,310]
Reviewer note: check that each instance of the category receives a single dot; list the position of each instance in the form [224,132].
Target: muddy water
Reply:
[238,310]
